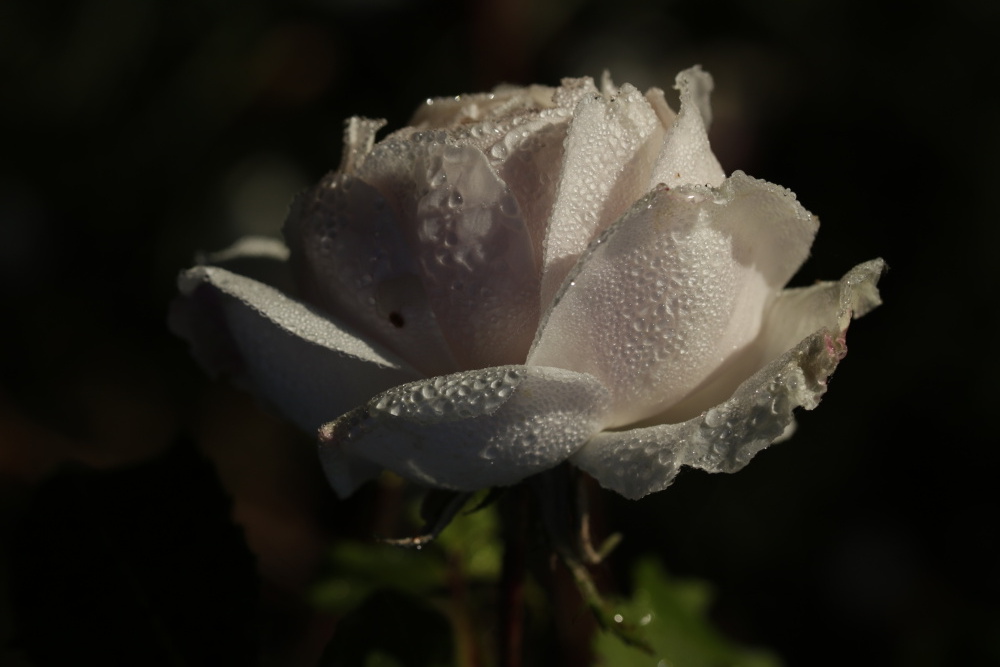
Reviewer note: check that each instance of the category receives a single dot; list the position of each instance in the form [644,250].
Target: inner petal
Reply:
[476,257]
[610,147]
[686,157]
[673,290]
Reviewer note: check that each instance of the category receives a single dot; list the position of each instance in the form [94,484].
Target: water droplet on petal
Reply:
[508,205]
[714,418]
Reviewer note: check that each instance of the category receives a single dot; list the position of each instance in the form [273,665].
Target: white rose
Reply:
[526,277]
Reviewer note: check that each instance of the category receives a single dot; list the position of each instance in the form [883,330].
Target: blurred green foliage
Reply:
[673,615]
[391,629]
[469,547]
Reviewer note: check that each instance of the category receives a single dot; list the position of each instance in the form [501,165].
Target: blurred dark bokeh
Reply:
[138,133]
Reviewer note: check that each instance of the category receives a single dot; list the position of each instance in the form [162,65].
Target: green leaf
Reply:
[391,629]
[672,614]
[356,569]
[474,537]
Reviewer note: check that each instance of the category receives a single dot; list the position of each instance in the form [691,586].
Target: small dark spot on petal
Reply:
[397,320]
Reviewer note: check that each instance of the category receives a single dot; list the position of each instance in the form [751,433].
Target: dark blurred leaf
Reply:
[470,545]
[391,628]
[137,566]
[473,539]
[358,568]
[672,614]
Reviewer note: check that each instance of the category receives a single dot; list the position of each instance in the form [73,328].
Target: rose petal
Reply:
[199,322]
[686,156]
[470,430]
[359,138]
[724,439]
[473,249]
[673,289]
[309,366]
[522,132]
[610,149]
[481,119]
[531,158]
[657,99]
[466,109]
[350,258]
[259,258]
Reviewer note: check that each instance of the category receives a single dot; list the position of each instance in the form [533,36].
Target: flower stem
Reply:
[512,579]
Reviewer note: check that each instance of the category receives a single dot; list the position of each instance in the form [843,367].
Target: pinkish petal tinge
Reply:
[527,277]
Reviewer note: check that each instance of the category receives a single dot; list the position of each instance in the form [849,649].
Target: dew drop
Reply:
[508,205]
[714,418]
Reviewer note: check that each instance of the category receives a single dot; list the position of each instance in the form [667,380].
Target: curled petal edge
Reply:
[641,461]
[465,431]
[307,364]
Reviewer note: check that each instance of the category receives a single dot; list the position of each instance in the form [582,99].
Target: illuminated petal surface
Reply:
[610,148]
[674,289]
[470,430]
[525,276]
[724,438]
[686,157]
[307,365]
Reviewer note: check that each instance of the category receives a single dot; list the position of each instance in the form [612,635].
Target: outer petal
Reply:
[351,258]
[470,242]
[674,289]
[724,439]
[686,156]
[309,366]
[470,430]
[522,132]
[610,149]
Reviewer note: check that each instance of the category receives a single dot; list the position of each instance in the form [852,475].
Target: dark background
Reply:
[137,133]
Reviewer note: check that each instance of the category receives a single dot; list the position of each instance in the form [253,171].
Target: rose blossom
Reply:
[526,277]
